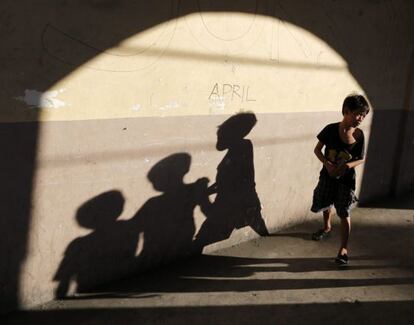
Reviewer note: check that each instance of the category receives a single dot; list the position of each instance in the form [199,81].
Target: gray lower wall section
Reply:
[87,202]
[390,156]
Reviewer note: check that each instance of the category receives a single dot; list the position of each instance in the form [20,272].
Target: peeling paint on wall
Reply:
[171,105]
[136,107]
[37,99]
[217,104]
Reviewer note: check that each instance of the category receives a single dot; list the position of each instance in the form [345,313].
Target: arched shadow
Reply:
[236,204]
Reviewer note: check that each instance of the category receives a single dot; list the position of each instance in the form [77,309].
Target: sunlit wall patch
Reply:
[237,61]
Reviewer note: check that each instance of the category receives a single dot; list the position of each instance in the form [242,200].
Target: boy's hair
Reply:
[355,102]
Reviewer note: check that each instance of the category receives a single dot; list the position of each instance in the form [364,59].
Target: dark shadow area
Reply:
[380,247]
[230,274]
[405,201]
[376,313]
[345,27]
[236,204]
[18,143]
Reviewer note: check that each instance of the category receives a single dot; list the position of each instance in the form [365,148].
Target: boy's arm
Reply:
[330,167]
[352,164]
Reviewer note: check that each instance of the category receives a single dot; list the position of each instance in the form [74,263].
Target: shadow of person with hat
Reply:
[167,220]
[106,252]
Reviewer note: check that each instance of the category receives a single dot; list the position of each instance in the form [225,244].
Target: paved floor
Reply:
[282,279]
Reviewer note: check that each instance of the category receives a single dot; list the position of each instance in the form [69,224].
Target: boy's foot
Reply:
[321,234]
[341,260]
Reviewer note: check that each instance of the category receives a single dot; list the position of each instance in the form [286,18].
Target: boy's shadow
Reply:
[160,231]
[106,252]
[167,220]
[163,229]
[237,204]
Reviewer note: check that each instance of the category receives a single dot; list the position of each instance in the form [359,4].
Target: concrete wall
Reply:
[98,95]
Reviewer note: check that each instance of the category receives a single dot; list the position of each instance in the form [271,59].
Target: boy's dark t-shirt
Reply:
[339,152]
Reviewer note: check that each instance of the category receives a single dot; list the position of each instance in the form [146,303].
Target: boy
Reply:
[344,150]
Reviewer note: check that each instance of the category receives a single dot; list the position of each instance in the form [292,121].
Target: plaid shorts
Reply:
[329,192]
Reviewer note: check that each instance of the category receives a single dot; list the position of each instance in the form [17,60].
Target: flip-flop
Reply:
[321,234]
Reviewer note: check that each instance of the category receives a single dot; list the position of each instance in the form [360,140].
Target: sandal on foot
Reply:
[321,234]
[341,260]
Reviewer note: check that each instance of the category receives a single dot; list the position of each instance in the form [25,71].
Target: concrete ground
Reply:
[282,279]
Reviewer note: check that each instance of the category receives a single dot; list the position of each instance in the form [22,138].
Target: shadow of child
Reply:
[167,220]
[237,204]
[106,252]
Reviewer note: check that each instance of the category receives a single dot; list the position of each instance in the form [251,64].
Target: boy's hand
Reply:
[331,168]
[341,169]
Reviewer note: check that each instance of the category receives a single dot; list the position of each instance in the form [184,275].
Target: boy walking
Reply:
[344,150]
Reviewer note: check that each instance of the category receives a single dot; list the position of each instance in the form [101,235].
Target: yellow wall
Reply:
[200,64]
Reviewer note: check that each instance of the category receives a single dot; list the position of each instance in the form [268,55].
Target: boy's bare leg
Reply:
[325,232]
[345,232]
[327,217]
